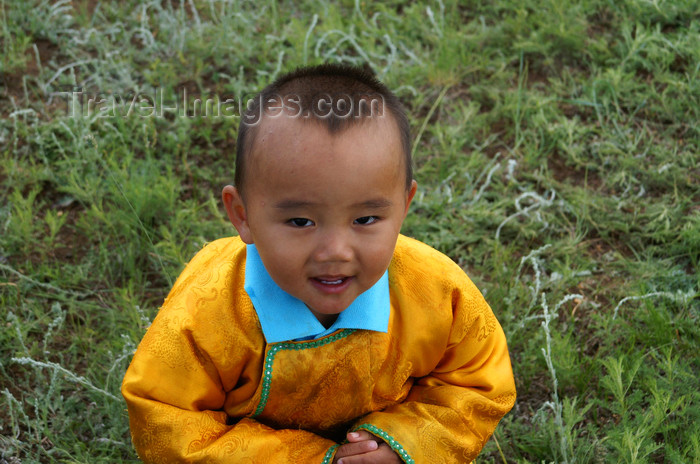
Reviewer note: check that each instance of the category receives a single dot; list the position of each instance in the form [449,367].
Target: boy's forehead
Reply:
[300,140]
[301,164]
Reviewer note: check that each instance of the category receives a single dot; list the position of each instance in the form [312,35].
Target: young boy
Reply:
[320,335]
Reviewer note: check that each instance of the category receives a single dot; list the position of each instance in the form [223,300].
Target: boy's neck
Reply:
[326,320]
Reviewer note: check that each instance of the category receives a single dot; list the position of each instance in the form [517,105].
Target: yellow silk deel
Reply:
[205,387]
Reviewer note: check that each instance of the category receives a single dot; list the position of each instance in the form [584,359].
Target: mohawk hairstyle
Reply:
[334,95]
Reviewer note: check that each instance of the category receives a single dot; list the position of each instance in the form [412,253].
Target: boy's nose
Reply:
[333,247]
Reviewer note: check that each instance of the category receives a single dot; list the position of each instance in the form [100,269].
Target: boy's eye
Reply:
[300,222]
[365,220]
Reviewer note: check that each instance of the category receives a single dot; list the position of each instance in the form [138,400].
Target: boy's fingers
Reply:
[361,435]
[351,449]
[382,455]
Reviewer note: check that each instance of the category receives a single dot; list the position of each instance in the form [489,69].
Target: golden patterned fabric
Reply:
[205,387]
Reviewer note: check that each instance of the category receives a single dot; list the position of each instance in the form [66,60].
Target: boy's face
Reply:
[324,211]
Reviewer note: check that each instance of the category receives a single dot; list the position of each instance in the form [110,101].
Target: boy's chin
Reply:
[330,310]
[333,311]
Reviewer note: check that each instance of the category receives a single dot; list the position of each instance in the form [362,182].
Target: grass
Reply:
[557,157]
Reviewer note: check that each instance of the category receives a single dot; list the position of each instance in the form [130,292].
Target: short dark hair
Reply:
[349,95]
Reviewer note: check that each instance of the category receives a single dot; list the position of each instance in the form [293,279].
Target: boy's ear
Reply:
[409,196]
[235,208]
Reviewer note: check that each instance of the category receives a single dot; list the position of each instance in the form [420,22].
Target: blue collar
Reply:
[284,317]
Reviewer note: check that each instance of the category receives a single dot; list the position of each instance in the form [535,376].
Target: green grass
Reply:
[558,162]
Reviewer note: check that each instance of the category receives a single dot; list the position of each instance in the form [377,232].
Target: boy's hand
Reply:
[365,448]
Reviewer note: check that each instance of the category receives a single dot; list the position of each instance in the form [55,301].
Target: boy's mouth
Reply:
[331,284]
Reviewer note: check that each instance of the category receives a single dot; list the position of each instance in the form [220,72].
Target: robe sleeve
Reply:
[176,403]
[449,415]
